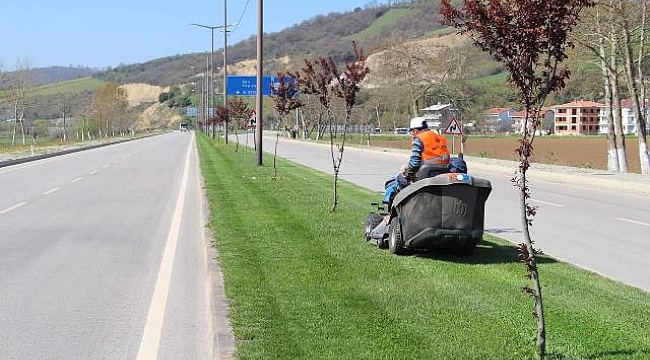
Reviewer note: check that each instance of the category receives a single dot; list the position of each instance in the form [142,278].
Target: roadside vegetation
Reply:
[303,284]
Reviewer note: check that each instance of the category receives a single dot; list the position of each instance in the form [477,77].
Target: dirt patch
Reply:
[158,116]
[584,152]
[142,93]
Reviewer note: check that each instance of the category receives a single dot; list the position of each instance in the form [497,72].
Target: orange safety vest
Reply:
[434,148]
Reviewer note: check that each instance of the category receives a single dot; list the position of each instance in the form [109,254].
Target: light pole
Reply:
[225,59]
[258,97]
[211,70]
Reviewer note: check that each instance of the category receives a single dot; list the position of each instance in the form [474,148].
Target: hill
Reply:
[410,27]
[55,74]
[324,35]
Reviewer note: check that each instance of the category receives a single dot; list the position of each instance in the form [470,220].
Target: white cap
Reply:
[416,122]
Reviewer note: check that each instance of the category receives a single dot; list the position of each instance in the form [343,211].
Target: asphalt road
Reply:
[103,256]
[605,230]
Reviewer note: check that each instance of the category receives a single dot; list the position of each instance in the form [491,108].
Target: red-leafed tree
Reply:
[221,116]
[323,79]
[284,94]
[529,37]
[239,112]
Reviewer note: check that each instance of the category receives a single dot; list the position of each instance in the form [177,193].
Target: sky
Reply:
[100,33]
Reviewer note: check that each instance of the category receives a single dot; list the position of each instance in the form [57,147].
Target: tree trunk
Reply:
[13,132]
[612,154]
[529,257]
[641,121]
[616,100]
[534,276]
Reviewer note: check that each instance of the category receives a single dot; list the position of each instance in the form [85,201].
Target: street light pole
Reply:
[258,96]
[225,59]
[212,72]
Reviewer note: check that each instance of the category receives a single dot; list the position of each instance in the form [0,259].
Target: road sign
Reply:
[454,127]
[247,85]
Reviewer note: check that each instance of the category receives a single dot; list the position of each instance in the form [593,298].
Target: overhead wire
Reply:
[240,17]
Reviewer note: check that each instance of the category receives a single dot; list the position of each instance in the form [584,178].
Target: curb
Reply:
[26,159]
[223,340]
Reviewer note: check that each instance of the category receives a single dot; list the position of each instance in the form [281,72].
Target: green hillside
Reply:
[70,86]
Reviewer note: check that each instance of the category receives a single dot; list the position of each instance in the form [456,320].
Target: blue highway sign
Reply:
[247,85]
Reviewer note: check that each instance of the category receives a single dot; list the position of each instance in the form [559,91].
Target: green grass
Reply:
[303,284]
[388,19]
[493,80]
[70,86]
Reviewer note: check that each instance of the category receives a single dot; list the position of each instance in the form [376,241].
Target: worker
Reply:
[428,148]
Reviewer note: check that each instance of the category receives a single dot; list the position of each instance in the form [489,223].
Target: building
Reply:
[547,116]
[628,117]
[439,115]
[498,119]
[577,118]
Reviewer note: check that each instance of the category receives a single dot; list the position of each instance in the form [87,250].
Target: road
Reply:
[103,255]
[605,231]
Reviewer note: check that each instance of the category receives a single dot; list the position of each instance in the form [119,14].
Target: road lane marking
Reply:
[106,166]
[12,208]
[153,327]
[28,165]
[633,221]
[547,203]
[51,191]
[76,180]
[92,172]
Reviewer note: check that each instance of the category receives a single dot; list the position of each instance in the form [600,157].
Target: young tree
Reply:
[529,37]
[18,86]
[222,116]
[110,103]
[322,79]
[240,112]
[285,99]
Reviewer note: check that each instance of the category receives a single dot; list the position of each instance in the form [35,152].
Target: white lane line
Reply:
[92,172]
[12,208]
[106,166]
[51,191]
[633,221]
[547,203]
[28,165]
[153,327]
[76,180]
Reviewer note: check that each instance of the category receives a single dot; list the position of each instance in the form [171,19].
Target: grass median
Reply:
[303,284]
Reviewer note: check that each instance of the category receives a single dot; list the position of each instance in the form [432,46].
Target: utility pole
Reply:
[225,64]
[258,95]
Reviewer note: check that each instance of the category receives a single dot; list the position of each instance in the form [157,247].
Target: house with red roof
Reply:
[577,117]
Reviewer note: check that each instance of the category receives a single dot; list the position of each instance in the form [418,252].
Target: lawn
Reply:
[303,283]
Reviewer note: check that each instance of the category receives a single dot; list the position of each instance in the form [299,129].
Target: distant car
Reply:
[185,127]
[401,130]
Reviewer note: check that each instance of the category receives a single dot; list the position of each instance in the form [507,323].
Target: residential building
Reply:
[498,119]
[439,115]
[547,116]
[628,117]
[577,118]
